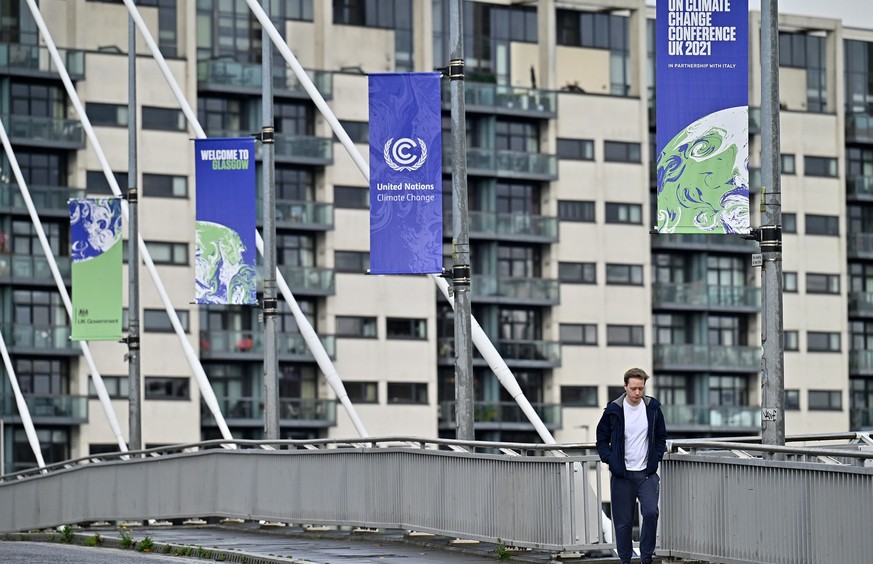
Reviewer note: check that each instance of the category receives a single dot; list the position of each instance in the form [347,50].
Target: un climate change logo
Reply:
[398,153]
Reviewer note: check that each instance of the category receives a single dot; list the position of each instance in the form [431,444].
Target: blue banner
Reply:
[406,226]
[702,92]
[225,251]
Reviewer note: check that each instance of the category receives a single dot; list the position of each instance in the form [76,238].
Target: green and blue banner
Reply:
[96,252]
[406,224]
[225,251]
[702,92]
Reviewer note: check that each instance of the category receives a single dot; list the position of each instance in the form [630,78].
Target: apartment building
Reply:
[568,281]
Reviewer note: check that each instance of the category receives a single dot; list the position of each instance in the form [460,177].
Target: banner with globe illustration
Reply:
[406,224]
[225,251]
[96,253]
[702,92]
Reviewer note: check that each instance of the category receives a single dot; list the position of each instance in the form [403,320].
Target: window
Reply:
[351,197]
[576,149]
[574,210]
[166,388]
[116,387]
[621,152]
[407,392]
[164,186]
[624,335]
[614,392]
[359,131]
[578,334]
[824,400]
[367,13]
[403,328]
[728,390]
[42,377]
[110,115]
[792,400]
[362,392]
[822,283]
[822,341]
[789,282]
[624,213]
[820,166]
[577,272]
[579,396]
[355,262]
[356,327]
[96,183]
[522,136]
[163,252]
[157,320]
[624,274]
[822,224]
[791,340]
[163,119]
[789,223]
[788,163]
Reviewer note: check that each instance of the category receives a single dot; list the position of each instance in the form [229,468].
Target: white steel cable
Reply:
[205,387]
[23,412]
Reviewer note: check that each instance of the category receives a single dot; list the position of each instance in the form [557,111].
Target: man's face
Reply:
[635,389]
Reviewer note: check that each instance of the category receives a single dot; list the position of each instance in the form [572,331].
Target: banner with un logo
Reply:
[406,225]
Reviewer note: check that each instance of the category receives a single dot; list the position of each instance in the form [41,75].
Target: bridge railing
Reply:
[494,492]
[738,501]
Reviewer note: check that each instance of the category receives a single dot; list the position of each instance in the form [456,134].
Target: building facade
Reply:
[567,280]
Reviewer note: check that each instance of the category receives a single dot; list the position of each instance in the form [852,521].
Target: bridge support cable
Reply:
[23,412]
[99,386]
[306,330]
[205,387]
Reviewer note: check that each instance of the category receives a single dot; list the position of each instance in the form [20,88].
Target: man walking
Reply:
[632,439]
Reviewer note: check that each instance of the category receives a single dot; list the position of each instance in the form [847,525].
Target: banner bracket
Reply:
[456,69]
[132,195]
[266,134]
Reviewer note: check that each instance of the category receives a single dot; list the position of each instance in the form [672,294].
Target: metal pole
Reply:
[770,235]
[460,232]
[2,447]
[134,439]
[271,365]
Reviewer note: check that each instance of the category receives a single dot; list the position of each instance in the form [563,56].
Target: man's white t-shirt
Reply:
[636,427]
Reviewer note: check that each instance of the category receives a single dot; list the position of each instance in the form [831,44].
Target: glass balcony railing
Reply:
[512,164]
[32,269]
[861,304]
[705,296]
[23,337]
[227,73]
[46,199]
[34,59]
[860,245]
[859,186]
[297,149]
[494,413]
[860,418]
[523,289]
[73,408]
[699,242]
[252,342]
[309,279]
[717,416]
[67,133]
[300,214]
[513,225]
[505,99]
[528,352]
[861,362]
[754,120]
[859,127]
[310,412]
[705,357]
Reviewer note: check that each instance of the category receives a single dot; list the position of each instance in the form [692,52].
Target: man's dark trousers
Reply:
[624,495]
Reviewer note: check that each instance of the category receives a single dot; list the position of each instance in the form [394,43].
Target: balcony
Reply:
[495,416]
[47,409]
[860,304]
[859,128]
[249,412]
[482,97]
[249,345]
[861,418]
[27,269]
[36,61]
[529,291]
[860,246]
[860,188]
[516,353]
[312,216]
[291,149]
[52,340]
[508,227]
[699,242]
[709,418]
[45,132]
[754,120]
[49,200]
[507,164]
[861,363]
[706,358]
[309,280]
[697,296]
[229,76]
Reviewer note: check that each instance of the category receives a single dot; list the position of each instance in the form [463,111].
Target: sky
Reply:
[854,13]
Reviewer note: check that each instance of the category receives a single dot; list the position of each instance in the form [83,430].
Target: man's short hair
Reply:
[635,373]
